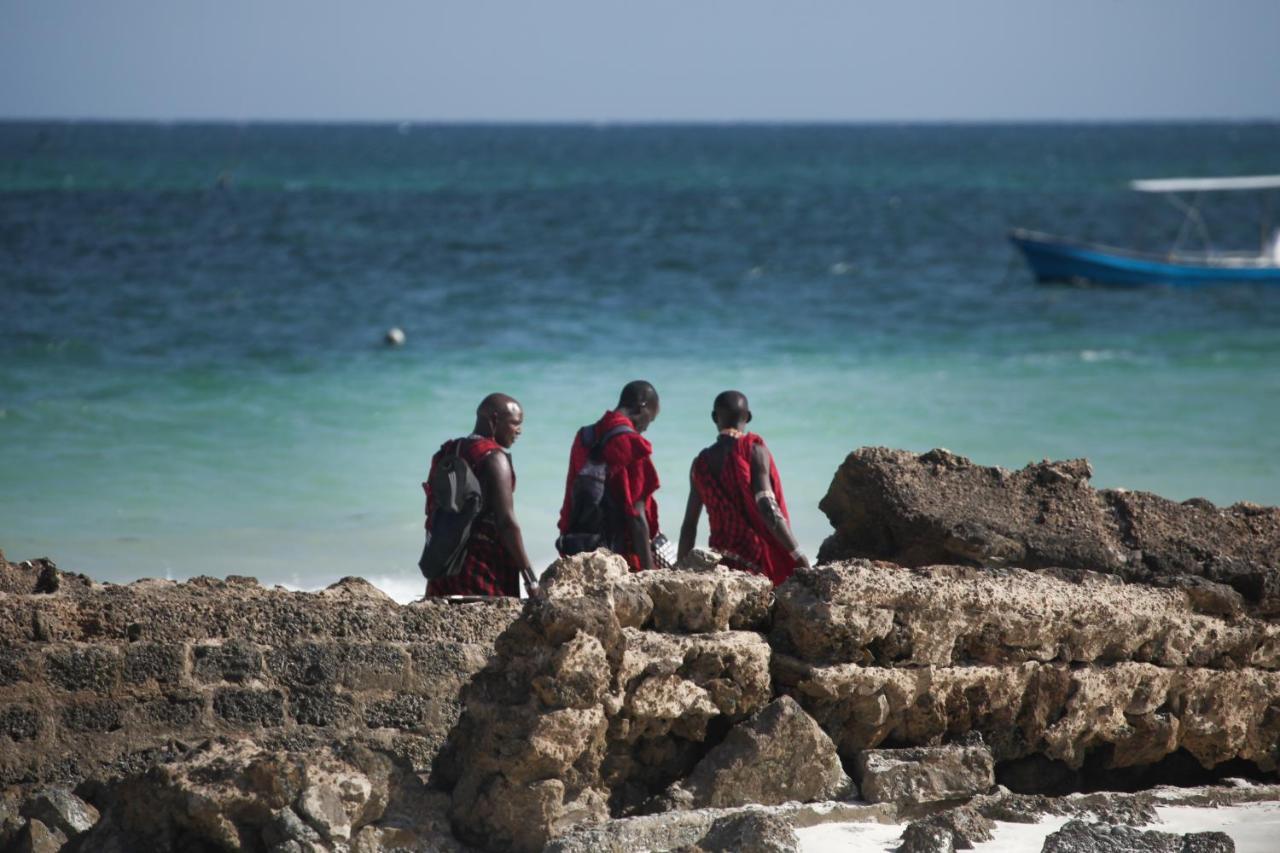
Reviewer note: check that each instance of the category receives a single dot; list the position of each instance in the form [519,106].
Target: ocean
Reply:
[193,380]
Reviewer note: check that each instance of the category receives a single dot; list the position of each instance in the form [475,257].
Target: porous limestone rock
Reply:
[596,573]
[1138,712]
[1078,836]
[924,774]
[689,830]
[36,837]
[100,680]
[233,794]
[582,711]
[699,599]
[879,613]
[940,508]
[749,832]
[719,599]
[61,810]
[926,837]
[958,828]
[699,560]
[778,755]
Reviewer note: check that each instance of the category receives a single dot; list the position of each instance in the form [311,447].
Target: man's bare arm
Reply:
[767,503]
[640,536]
[692,512]
[495,483]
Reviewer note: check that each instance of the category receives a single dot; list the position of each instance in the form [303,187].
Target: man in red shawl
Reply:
[496,558]
[631,511]
[737,481]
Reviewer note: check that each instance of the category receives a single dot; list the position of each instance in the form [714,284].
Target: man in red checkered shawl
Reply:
[737,480]
[632,518]
[496,558]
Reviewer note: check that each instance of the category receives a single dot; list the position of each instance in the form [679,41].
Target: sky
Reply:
[656,60]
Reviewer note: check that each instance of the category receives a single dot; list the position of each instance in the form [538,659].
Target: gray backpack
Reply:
[588,499]
[458,500]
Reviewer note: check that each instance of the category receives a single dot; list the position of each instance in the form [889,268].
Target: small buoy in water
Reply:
[394,337]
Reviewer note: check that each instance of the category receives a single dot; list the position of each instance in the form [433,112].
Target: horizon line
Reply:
[639,122]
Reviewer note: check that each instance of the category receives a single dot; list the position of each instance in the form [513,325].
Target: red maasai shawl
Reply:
[632,478]
[489,569]
[738,531]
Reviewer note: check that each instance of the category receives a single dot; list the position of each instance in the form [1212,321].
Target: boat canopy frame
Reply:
[1173,188]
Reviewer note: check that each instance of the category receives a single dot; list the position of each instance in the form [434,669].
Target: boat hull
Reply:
[1057,260]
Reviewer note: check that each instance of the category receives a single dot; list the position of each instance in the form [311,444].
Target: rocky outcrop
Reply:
[939,508]
[917,775]
[685,830]
[779,755]
[1079,836]
[99,680]
[234,795]
[1035,664]
[1116,817]
[884,615]
[751,832]
[583,714]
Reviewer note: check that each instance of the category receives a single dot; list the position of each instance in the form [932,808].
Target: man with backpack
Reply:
[608,499]
[474,545]
[737,481]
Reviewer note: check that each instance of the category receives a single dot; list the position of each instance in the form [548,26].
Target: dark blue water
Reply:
[191,379]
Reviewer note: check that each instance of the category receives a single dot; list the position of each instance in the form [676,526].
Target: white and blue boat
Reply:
[1058,259]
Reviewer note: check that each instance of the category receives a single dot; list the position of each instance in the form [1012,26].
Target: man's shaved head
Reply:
[500,417]
[731,410]
[639,401]
[497,404]
[636,394]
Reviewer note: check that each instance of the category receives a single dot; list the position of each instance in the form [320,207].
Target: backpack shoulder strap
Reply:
[616,431]
[596,448]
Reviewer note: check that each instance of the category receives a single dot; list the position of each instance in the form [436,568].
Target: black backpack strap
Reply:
[618,430]
[587,435]
[596,448]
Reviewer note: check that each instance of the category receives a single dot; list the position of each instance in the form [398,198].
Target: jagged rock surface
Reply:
[582,711]
[684,830]
[940,508]
[956,650]
[925,774]
[777,756]
[234,795]
[751,832]
[882,614]
[1079,836]
[100,680]
[1138,712]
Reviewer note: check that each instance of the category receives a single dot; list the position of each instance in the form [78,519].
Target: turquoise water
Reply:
[192,380]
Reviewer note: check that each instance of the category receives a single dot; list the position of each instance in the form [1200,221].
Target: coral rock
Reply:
[776,756]
[924,774]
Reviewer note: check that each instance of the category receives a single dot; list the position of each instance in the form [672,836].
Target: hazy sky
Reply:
[640,60]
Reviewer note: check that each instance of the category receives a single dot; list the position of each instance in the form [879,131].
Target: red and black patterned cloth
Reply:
[738,530]
[631,479]
[489,569]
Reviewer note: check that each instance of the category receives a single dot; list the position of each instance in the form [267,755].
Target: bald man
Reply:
[496,559]
[737,481]
[630,511]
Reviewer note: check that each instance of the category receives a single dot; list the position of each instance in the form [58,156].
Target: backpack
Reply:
[458,500]
[588,500]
